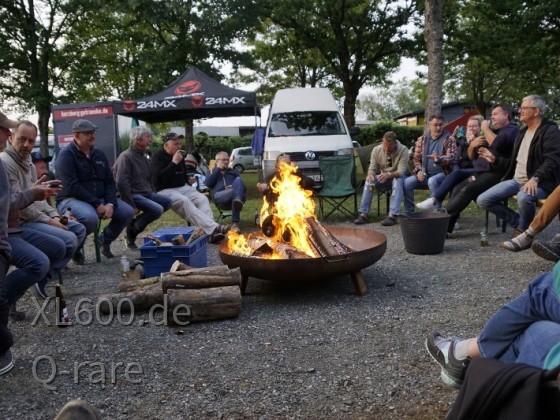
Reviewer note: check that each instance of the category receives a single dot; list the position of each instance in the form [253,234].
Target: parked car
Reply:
[241,159]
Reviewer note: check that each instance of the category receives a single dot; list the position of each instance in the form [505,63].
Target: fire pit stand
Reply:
[368,245]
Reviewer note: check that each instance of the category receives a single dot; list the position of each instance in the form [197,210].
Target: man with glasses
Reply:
[534,167]
[388,166]
[89,188]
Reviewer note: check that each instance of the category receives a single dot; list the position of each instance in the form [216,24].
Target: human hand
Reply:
[55,221]
[421,176]
[486,154]
[177,157]
[383,177]
[433,156]
[530,187]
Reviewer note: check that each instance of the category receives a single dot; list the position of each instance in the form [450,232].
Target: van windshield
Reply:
[316,123]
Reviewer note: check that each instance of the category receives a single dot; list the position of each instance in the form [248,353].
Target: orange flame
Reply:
[289,211]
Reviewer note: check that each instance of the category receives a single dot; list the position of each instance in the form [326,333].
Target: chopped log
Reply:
[202,304]
[323,241]
[201,278]
[141,299]
[179,266]
[130,286]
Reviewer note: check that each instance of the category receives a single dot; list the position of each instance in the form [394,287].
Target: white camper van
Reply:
[305,123]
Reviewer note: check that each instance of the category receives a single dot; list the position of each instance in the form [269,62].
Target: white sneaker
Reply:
[428,204]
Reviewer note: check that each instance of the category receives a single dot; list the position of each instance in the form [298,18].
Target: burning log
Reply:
[201,278]
[323,241]
[203,304]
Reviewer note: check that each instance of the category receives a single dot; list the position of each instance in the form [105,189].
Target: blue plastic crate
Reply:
[159,259]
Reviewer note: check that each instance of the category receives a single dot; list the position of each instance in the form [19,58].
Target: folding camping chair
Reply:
[338,185]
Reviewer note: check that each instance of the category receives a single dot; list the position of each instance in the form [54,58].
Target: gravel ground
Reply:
[306,350]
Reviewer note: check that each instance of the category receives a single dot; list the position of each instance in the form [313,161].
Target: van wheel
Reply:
[238,169]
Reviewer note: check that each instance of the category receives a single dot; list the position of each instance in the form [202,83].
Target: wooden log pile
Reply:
[187,294]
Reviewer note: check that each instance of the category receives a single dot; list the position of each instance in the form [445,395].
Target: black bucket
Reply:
[424,232]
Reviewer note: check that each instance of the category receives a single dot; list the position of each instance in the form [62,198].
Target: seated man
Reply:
[227,188]
[132,174]
[388,167]
[548,250]
[170,179]
[432,151]
[533,170]
[39,215]
[525,330]
[89,187]
[462,166]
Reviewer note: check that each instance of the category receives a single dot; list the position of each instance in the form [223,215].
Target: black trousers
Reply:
[468,191]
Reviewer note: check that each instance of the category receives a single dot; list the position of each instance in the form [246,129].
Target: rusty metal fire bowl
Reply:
[368,247]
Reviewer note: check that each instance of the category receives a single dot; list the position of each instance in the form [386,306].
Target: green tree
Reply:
[355,41]
[385,103]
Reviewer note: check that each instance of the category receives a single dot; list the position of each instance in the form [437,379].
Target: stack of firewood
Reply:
[209,293]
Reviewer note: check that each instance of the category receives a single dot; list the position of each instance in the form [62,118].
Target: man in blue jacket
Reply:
[89,187]
[227,188]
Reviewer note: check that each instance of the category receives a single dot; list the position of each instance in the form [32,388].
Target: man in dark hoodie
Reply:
[533,169]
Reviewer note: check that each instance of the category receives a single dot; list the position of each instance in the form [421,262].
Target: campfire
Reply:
[289,228]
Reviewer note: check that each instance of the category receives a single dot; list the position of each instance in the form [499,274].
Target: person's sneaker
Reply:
[6,362]
[216,237]
[548,250]
[131,237]
[389,221]
[15,314]
[79,258]
[237,205]
[443,352]
[78,409]
[235,228]
[105,248]
[519,243]
[361,219]
[223,229]
[40,288]
[427,205]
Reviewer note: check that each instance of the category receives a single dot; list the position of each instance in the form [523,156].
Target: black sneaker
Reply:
[548,250]
[105,248]
[216,237]
[237,205]
[361,219]
[6,362]
[40,288]
[389,221]
[131,237]
[452,370]
[79,258]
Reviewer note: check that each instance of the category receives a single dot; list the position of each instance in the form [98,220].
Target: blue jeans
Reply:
[492,200]
[85,214]
[6,339]
[411,183]
[224,199]
[32,265]
[525,329]
[395,184]
[455,177]
[73,237]
[152,208]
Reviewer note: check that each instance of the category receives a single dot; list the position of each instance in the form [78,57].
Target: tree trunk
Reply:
[203,304]
[201,278]
[433,37]
[43,123]
[351,91]
[189,136]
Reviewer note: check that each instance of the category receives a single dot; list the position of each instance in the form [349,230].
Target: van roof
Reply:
[303,99]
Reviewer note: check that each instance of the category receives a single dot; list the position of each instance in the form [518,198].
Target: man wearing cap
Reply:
[42,165]
[170,174]
[89,188]
[132,173]
[227,188]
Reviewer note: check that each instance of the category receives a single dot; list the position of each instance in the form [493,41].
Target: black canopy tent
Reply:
[193,95]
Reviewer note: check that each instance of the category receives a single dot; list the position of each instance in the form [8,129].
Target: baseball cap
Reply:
[82,126]
[6,122]
[37,156]
[172,136]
